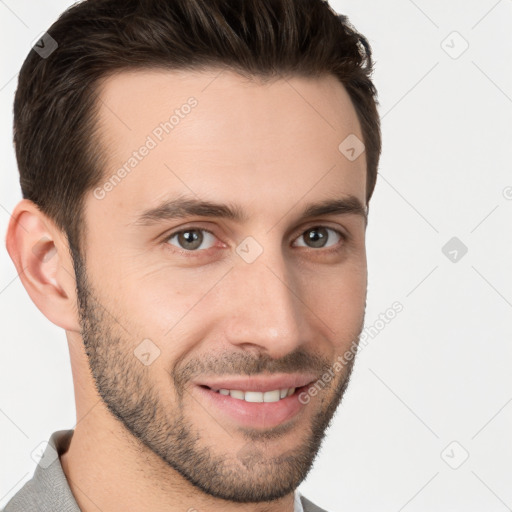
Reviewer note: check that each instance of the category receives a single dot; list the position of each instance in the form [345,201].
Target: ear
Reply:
[40,252]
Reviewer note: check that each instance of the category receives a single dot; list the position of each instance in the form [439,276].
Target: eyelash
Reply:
[200,252]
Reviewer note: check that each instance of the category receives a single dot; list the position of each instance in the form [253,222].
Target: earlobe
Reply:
[40,254]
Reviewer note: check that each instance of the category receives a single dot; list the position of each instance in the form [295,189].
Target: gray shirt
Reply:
[49,491]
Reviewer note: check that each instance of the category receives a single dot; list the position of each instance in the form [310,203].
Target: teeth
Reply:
[253,396]
[257,396]
[235,393]
[271,396]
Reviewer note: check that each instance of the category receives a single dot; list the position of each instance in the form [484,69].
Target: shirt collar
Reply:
[297,503]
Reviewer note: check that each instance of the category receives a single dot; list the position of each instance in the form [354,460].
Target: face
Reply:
[225,271]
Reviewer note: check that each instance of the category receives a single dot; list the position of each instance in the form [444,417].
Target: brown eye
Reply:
[192,239]
[319,237]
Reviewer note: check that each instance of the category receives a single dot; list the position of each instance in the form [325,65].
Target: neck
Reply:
[108,469]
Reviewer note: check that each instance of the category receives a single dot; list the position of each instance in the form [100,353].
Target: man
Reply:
[196,177]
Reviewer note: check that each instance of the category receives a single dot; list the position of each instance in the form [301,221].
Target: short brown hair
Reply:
[55,134]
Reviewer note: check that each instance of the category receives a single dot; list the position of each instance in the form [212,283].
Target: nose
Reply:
[269,311]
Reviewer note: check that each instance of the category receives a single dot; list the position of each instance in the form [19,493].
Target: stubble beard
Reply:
[249,475]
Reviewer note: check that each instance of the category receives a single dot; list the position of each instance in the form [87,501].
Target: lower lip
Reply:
[254,414]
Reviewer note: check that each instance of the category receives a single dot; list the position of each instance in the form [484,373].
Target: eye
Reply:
[319,237]
[192,239]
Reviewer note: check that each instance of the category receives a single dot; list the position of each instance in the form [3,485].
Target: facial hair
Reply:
[129,393]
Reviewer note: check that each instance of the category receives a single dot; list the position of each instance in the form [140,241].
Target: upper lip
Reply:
[258,382]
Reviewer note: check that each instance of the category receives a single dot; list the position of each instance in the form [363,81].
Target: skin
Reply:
[145,432]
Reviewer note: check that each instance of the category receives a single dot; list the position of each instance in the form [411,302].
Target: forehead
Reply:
[214,133]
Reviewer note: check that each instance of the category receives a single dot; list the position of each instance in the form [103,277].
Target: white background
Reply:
[441,370]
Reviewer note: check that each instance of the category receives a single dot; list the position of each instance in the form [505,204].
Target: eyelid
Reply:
[194,225]
[322,224]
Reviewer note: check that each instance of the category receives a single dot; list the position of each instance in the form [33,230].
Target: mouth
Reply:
[254,402]
[274,395]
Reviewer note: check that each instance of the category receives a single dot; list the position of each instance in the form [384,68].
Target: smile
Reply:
[262,401]
[257,396]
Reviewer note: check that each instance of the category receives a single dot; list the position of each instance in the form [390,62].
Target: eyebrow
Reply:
[181,207]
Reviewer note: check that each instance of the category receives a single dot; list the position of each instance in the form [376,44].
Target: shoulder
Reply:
[48,489]
[24,500]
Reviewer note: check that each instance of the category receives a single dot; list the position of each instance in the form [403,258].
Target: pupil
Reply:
[191,239]
[317,237]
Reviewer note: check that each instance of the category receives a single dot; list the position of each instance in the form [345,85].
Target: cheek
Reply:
[349,292]
[164,305]
[339,298]
[342,286]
